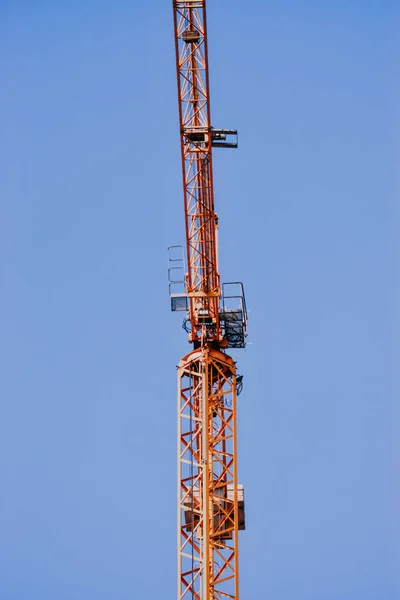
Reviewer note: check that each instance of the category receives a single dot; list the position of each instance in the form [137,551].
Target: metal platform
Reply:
[233,315]
[176,279]
[192,516]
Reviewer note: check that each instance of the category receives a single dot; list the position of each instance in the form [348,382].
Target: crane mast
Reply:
[210,499]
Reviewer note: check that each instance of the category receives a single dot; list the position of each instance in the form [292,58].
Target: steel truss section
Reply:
[203,280]
[208,519]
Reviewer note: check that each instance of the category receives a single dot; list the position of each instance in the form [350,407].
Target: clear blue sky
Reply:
[91,197]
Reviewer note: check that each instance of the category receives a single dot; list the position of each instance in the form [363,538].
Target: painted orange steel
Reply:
[208,508]
[202,280]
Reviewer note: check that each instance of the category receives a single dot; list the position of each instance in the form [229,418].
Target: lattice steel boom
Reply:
[210,499]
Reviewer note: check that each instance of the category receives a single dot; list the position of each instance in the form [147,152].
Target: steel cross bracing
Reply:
[208,507]
[203,281]
[210,500]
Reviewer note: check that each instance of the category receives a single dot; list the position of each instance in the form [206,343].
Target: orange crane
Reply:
[210,499]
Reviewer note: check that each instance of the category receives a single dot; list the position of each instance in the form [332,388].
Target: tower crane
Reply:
[210,499]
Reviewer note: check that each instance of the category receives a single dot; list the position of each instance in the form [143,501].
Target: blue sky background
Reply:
[91,197]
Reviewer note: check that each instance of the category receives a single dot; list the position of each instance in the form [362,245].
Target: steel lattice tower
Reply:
[210,500]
